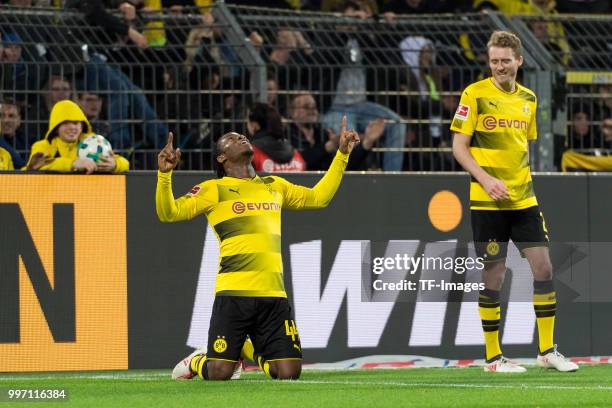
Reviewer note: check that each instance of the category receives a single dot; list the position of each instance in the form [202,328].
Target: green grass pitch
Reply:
[591,386]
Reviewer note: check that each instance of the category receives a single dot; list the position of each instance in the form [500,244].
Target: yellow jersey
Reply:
[500,125]
[6,161]
[246,217]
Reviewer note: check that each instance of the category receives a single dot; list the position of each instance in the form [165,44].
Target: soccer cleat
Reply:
[556,360]
[237,370]
[182,371]
[503,365]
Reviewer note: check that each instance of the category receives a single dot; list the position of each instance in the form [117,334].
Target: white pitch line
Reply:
[157,376]
[444,385]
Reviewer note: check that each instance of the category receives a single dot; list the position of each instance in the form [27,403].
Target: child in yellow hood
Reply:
[67,127]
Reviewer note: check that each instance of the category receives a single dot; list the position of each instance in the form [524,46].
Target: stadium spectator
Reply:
[606,133]
[555,32]
[200,43]
[125,100]
[56,89]
[207,43]
[584,6]
[11,135]
[419,54]
[416,7]
[20,3]
[91,105]
[272,151]
[288,60]
[272,92]
[539,27]
[279,4]
[335,5]
[581,132]
[6,161]
[96,14]
[351,93]
[317,145]
[67,127]
[603,105]
[19,69]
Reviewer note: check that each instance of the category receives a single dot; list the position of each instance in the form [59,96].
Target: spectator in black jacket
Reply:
[318,145]
[96,14]
[124,97]
[10,131]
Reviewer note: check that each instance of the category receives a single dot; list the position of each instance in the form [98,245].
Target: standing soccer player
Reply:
[245,213]
[495,120]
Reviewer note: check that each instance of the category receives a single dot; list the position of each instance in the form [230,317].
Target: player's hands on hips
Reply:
[168,158]
[347,138]
[496,189]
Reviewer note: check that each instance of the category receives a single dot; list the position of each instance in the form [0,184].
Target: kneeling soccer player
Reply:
[245,213]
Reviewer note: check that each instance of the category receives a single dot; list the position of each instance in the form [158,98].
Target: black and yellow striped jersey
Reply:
[246,217]
[500,125]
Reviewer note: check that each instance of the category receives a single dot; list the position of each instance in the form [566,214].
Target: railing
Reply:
[207,67]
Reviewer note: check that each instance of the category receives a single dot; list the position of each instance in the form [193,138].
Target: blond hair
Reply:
[504,39]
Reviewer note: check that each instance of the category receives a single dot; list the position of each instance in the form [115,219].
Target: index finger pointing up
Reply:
[343,126]
[170,139]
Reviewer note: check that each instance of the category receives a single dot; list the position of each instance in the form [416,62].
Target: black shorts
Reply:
[268,321]
[493,229]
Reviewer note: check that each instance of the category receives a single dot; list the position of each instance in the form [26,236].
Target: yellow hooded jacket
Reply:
[64,153]
[6,161]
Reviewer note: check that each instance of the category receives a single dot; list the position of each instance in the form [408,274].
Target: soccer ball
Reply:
[94,147]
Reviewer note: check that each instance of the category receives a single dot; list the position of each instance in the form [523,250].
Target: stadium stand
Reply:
[204,66]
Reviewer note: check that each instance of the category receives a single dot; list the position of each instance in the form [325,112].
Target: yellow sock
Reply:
[196,365]
[248,350]
[264,365]
[489,309]
[545,306]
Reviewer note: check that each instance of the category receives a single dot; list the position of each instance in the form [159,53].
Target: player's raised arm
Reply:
[169,209]
[168,158]
[495,188]
[299,197]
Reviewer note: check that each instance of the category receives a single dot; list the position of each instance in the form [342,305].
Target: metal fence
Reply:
[208,66]
[409,70]
[577,51]
[194,83]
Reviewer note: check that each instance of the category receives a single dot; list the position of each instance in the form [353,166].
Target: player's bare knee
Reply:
[219,370]
[289,374]
[543,270]
[288,370]
[493,274]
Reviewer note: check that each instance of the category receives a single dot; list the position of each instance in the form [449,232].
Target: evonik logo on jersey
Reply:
[239,207]
[318,302]
[491,122]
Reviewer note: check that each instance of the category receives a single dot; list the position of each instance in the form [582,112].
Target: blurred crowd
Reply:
[134,78]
